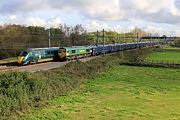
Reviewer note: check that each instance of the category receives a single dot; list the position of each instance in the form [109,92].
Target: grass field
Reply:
[122,92]
[171,56]
[14,59]
[172,49]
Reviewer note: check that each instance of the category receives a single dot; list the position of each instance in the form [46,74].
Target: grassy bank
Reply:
[175,49]
[121,92]
[166,54]
[13,59]
[170,56]
[20,92]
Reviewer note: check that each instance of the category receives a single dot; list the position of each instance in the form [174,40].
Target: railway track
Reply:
[13,67]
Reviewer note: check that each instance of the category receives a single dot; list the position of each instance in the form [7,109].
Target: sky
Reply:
[153,16]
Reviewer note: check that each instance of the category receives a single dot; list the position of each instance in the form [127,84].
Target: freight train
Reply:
[36,55]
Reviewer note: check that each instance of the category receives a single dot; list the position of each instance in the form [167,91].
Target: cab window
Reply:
[24,53]
[62,50]
[55,51]
[47,52]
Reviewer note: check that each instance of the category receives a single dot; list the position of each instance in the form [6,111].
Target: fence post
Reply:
[103,41]
[49,36]
[137,37]
[97,37]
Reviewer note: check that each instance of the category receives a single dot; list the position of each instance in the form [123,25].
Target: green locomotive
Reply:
[68,53]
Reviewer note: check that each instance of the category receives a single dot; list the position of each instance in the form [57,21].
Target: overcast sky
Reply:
[155,16]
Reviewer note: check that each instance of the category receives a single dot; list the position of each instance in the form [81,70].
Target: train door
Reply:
[42,54]
[39,52]
[37,55]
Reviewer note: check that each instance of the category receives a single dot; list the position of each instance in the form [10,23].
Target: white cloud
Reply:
[130,11]
[17,6]
[12,17]
[102,9]
[119,29]
[177,33]
[94,26]
[54,22]
[177,4]
[150,6]
[174,9]
[155,30]
[35,21]
[131,27]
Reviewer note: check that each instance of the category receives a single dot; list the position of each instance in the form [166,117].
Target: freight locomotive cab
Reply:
[75,52]
[62,54]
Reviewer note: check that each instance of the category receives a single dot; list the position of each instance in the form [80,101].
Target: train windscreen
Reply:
[62,50]
[24,53]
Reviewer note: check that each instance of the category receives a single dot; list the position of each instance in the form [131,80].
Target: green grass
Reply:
[14,59]
[165,56]
[122,92]
[172,49]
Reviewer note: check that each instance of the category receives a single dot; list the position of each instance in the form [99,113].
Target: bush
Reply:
[18,91]
[176,42]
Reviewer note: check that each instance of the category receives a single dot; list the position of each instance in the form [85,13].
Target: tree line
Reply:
[15,38]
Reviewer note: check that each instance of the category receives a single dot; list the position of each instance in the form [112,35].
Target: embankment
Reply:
[21,91]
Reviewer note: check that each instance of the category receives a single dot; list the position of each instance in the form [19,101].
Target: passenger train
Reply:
[36,55]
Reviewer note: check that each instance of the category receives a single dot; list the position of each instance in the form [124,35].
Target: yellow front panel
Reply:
[62,55]
[20,59]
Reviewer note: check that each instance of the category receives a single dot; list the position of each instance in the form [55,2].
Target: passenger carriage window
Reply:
[56,52]
[73,51]
[42,53]
[47,52]
[87,50]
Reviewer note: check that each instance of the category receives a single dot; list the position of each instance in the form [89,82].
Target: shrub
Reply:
[18,91]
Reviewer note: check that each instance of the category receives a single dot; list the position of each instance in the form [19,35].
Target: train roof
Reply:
[78,47]
[50,48]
